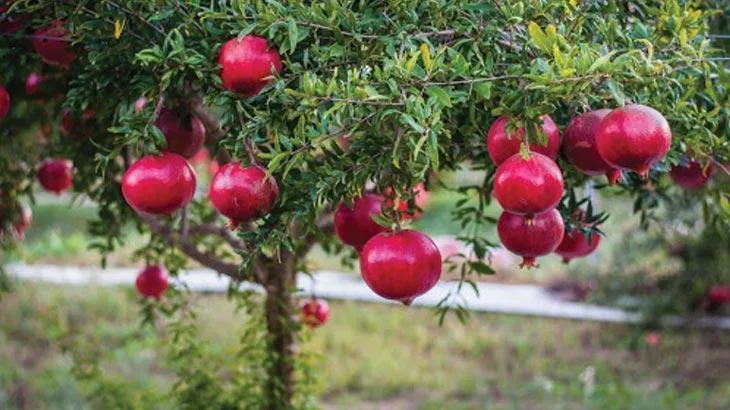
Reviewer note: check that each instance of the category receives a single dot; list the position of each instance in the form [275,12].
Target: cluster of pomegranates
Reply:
[528,183]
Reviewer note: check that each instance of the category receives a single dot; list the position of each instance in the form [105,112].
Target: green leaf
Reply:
[293,34]
[440,95]
[412,123]
[541,40]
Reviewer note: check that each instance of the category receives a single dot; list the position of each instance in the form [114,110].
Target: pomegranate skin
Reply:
[56,175]
[531,237]
[528,186]
[243,193]
[579,146]
[576,245]
[183,139]
[502,145]
[633,137]
[314,312]
[400,265]
[33,83]
[51,45]
[159,184]
[4,102]
[719,294]
[355,226]
[691,175]
[246,64]
[152,281]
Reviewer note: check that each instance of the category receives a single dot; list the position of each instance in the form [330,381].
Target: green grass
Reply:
[374,356]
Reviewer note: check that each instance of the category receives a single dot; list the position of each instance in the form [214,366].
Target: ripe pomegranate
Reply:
[55,175]
[183,136]
[579,146]
[314,312]
[502,144]
[691,174]
[4,102]
[633,137]
[9,24]
[51,44]
[247,64]
[152,281]
[243,193]
[531,237]
[355,226]
[159,184]
[33,83]
[528,185]
[421,197]
[653,338]
[719,294]
[400,265]
[576,245]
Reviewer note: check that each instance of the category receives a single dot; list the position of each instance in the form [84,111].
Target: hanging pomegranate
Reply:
[183,136]
[314,312]
[528,184]
[502,144]
[159,184]
[243,193]
[355,226]
[577,245]
[152,281]
[531,237]
[247,64]
[51,43]
[691,174]
[56,175]
[579,146]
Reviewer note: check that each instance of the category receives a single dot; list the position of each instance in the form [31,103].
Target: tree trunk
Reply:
[279,323]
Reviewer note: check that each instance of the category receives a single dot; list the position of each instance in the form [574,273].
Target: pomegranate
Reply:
[400,265]
[243,193]
[55,175]
[159,184]
[531,237]
[9,24]
[579,146]
[213,167]
[528,185]
[577,245]
[653,338]
[502,144]
[247,64]
[421,198]
[183,136]
[633,137]
[691,174]
[51,43]
[719,294]
[33,83]
[314,312]
[355,226]
[152,281]
[4,102]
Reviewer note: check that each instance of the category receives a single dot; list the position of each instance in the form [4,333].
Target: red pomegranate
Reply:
[183,136]
[577,245]
[247,64]
[9,24]
[528,185]
[159,184]
[55,175]
[531,237]
[4,102]
[355,226]
[314,312]
[421,197]
[719,294]
[33,83]
[243,193]
[51,43]
[691,174]
[400,265]
[633,137]
[152,281]
[579,146]
[502,144]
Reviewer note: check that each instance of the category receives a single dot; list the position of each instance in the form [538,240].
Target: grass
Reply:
[375,356]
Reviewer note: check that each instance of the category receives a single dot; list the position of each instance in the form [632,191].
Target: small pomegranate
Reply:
[719,294]
[528,185]
[633,137]
[400,265]
[247,64]
[355,226]
[577,245]
[314,312]
[4,102]
[152,281]
[502,144]
[183,136]
[653,338]
[56,175]
[51,44]
[421,197]
[691,174]
[531,237]
[243,193]
[33,83]
[9,24]
[579,146]
[159,184]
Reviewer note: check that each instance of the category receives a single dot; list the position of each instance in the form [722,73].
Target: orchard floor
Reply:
[375,356]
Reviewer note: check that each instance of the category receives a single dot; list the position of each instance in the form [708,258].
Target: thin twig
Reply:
[184,224]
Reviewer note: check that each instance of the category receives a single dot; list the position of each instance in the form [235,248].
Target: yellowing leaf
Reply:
[552,32]
[426,55]
[118,28]
[539,38]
